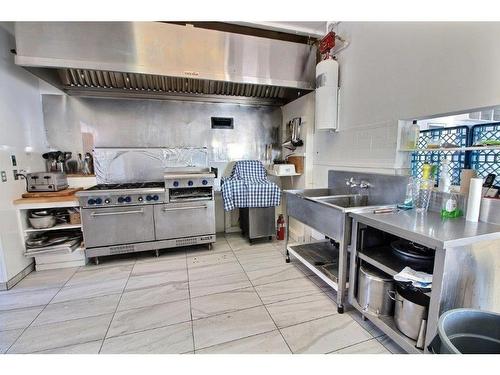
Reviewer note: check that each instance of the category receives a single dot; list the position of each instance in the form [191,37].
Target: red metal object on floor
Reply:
[280,228]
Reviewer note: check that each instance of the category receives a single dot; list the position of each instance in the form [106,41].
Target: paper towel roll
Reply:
[474,201]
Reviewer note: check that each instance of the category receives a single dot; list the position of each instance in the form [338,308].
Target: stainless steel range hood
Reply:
[158,60]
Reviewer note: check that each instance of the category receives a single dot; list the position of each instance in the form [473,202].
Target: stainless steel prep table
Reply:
[466,267]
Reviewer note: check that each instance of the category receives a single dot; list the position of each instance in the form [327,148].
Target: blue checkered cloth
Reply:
[248,186]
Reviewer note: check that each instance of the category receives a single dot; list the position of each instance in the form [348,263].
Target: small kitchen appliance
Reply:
[46,181]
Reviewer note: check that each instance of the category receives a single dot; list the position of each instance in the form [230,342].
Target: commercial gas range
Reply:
[133,217]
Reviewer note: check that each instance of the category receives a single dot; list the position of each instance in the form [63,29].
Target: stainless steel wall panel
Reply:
[169,125]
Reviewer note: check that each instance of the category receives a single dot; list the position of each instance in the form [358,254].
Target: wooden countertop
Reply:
[47,202]
[68,198]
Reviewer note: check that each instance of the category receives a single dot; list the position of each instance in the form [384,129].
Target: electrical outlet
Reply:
[3,175]
[14,172]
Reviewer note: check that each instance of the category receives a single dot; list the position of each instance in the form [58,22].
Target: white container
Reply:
[444,177]
[327,79]
[474,201]
[284,169]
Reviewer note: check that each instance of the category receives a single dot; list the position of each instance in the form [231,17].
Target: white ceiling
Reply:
[313,28]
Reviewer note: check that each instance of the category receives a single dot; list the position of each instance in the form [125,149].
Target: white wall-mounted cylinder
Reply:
[327,78]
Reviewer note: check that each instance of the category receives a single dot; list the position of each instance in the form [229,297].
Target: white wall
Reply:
[21,126]
[303,108]
[394,71]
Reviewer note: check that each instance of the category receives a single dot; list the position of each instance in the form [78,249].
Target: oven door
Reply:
[117,225]
[176,220]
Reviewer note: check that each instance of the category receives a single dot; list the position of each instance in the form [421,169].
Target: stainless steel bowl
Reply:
[42,222]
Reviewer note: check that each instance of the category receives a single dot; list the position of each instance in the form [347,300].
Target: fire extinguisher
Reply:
[280,228]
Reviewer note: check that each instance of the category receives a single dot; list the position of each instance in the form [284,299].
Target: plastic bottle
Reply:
[444,176]
[449,207]
[413,133]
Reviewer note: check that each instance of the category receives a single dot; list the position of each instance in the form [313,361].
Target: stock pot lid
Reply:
[412,250]
[412,294]
[375,274]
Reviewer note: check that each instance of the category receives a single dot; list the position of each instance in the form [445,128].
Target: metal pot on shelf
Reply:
[374,287]
[410,311]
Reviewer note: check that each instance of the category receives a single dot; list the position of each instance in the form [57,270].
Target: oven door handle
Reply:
[94,214]
[183,208]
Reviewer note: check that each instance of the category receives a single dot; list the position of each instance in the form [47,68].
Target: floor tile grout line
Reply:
[116,308]
[12,292]
[64,346]
[268,313]
[351,345]
[190,306]
[240,338]
[29,325]
[147,329]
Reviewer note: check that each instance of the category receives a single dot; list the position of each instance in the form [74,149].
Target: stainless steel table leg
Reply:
[287,259]
[96,260]
[157,252]
[342,281]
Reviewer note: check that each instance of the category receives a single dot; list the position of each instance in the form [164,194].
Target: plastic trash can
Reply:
[467,331]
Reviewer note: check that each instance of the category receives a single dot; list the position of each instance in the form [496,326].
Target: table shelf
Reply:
[383,258]
[322,258]
[387,325]
[55,227]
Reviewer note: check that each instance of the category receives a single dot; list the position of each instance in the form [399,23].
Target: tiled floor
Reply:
[235,298]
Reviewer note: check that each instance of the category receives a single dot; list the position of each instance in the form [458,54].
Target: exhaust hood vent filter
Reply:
[96,79]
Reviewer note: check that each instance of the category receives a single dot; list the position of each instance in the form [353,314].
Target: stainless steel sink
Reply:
[349,202]
[327,211]
[345,201]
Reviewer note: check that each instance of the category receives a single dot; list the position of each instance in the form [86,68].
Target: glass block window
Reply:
[448,137]
[486,161]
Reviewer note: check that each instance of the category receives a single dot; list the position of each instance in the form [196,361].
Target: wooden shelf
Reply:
[55,227]
[442,149]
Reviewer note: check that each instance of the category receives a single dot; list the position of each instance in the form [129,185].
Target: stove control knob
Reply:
[176,183]
[149,198]
[127,199]
[107,201]
[120,200]
[155,197]
[190,183]
[91,201]
[204,182]
[98,201]
[140,199]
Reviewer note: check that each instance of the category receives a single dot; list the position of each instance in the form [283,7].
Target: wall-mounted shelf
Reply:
[271,173]
[441,149]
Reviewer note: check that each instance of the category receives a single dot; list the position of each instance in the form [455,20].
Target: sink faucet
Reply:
[352,183]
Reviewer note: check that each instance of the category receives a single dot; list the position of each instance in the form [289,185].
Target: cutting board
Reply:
[50,194]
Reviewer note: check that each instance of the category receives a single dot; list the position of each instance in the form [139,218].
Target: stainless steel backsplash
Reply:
[383,187]
[167,125]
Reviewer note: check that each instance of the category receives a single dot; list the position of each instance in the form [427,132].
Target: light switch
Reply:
[14,161]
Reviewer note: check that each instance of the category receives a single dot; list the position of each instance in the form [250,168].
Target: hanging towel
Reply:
[248,186]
